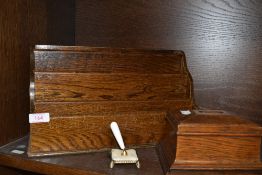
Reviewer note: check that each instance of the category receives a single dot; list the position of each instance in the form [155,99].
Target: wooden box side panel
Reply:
[219,151]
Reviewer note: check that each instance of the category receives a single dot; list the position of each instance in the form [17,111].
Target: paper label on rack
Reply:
[39,118]
[15,151]
[185,112]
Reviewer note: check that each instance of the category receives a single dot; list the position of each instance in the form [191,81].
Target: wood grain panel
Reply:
[217,150]
[105,107]
[222,40]
[218,123]
[86,133]
[114,87]
[109,62]
[11,37]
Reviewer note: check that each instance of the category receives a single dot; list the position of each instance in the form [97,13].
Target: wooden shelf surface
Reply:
[89,163]
[95,163]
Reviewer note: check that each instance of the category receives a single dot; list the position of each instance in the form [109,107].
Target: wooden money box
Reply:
[210,140]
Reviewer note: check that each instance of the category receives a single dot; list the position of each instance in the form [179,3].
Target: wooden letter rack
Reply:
[84,89]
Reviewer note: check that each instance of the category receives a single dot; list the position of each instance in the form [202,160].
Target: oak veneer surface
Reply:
[218,123]
[104,106]
[84,133]
[222,40]
[59,87]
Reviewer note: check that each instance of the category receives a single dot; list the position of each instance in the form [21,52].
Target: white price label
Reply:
[39,118]
[185,112]
[15,151]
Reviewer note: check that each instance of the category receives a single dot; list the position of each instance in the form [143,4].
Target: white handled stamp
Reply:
[123,155]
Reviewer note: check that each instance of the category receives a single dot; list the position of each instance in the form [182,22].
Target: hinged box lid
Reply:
[214,122]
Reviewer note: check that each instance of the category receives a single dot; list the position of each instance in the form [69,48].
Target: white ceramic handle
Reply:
[115,129]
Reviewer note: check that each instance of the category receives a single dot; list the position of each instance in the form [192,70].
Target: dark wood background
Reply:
[222,40]
[14,64]
[23,24]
